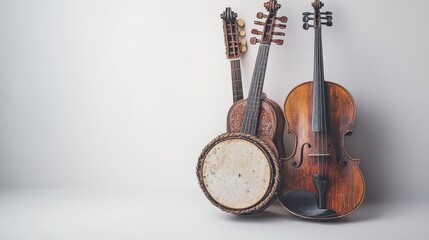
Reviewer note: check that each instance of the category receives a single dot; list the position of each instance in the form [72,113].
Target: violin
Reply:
[239,171]
[320,180]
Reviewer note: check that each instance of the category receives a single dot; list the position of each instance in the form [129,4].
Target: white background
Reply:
[125,94]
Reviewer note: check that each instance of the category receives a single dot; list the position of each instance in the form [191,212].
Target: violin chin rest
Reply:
[304,203]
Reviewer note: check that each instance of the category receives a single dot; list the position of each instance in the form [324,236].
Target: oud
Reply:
[239,172]
[321,181]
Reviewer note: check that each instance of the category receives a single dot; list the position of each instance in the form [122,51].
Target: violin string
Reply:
[323,92]
[320,98]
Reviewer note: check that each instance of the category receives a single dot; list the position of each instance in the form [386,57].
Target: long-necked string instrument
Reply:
[320,180]
[239,171]
[235,45]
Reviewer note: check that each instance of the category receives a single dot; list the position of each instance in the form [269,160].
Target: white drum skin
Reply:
[238,173]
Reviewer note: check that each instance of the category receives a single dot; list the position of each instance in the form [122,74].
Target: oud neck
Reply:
[251,113]
[319,116]
[237,85]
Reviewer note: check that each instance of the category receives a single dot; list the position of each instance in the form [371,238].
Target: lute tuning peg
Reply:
[256,32]
[243,42]
[254,40]
[261,15]
[240,23]
[281,26]
[259,23]
[277,41]
[278,33]
[282,19]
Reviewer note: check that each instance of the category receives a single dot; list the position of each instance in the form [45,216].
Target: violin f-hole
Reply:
[342,163]
[301,159]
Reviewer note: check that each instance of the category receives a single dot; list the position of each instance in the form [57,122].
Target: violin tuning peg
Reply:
[242,33]
[254,40]
[328,13]
[328,23]
[279,33]
[277,41]
[256,32]
[259,23]
[240,23]
[261,15]
[282,19]
[281,26]
[306,18]
[306,26]
[307,13]
[329,18]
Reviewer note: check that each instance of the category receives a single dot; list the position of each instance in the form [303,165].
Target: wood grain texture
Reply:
[270,126]
[346,188]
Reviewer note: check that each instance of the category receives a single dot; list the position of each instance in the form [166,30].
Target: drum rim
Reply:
[274,163]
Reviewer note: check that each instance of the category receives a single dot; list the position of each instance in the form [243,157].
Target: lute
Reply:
[235,45]
[239,171]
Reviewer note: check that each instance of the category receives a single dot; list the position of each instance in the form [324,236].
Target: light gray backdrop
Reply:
[101,94]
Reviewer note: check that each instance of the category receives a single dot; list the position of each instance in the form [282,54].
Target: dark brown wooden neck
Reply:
[319,107]
[251,113]
[237,86]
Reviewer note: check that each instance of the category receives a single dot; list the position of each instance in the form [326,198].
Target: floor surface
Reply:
[186,214]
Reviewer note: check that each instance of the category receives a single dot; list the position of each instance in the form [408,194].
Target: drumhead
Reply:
[238,173]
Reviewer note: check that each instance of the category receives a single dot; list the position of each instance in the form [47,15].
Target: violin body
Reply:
[270,124]
[346,188]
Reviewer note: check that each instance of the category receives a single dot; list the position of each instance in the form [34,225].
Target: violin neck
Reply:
[319,104]
[251,113]
[237,86]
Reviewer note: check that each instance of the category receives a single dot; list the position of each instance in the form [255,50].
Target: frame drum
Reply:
[238,173]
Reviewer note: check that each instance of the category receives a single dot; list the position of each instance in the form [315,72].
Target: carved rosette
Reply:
[267,119]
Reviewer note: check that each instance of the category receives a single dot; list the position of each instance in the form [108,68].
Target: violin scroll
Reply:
[317,17]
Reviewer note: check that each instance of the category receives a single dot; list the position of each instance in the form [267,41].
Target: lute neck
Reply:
[251,113]
[237,86]
[319,116]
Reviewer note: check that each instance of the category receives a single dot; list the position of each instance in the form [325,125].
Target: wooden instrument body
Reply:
[346,187]
[270,127]
[239,171]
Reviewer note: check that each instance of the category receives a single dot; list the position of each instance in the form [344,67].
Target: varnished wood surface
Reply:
[346,188]
[270,126]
